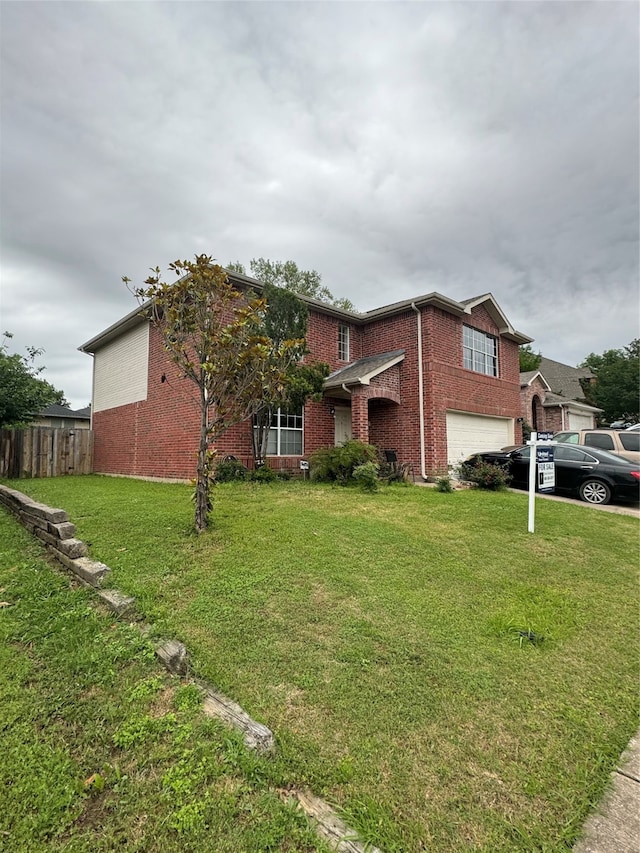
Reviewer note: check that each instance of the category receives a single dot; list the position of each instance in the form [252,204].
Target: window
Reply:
[480,351]
[630,440]
[285,434]
[571,454]
[343,342]
[597,439]
[567,437]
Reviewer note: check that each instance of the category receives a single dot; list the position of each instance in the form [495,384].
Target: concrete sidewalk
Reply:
[615,825]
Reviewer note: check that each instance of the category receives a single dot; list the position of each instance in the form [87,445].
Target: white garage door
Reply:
[467,434]
[580,421]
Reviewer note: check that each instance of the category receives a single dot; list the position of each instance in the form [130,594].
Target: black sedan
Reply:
[595,476]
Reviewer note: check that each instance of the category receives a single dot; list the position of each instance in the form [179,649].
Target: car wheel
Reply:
[595,492]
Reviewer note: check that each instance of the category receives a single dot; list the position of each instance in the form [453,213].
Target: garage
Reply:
[580,421]
[467,434]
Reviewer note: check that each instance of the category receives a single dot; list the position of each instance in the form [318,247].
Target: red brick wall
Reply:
[549,418]
[159,436]
[448,385]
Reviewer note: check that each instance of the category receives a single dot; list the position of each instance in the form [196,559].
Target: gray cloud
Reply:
[396,148]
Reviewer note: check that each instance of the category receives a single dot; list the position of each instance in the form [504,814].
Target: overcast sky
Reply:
[397,148]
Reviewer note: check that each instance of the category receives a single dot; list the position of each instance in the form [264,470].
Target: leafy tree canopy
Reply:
[617,386]
[286,319]
[529,360]
[216,338]
[23,394]
[289,276]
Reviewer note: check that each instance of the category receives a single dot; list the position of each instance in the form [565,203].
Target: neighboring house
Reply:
[553,398]
[431,378]
[61,417]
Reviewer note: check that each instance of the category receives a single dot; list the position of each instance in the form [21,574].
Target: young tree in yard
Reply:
[289,276]
[617,385]
[216,338]
[285,319]
[22,393]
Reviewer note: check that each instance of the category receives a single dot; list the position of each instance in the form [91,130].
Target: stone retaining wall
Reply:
[52,526]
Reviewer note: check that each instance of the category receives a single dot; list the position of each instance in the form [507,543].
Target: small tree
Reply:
[285,319]
[23,394]
[217,340]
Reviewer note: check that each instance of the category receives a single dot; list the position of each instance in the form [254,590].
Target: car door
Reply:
[572,467]
[519,468]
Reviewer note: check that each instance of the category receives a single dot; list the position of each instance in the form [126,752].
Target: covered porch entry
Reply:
[365,398]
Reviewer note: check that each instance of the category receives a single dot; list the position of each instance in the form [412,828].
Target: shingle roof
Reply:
[564,379]
[558,400]
[360,372]
[57,411]
[529,375]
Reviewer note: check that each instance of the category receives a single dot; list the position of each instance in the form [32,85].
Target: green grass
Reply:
[101,750]
[379,636]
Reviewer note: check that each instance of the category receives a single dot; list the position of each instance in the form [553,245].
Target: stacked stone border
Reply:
[52,527]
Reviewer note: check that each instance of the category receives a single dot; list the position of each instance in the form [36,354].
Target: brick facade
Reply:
[158,436]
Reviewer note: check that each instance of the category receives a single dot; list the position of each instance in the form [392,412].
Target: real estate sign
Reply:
[546,469]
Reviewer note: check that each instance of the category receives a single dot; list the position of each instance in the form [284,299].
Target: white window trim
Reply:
[473,351]
[344,342]
[278,430]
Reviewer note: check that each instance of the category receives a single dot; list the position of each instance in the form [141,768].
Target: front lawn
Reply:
[378,635]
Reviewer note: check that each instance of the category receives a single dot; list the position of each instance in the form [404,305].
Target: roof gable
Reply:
[362,371]
[528,377]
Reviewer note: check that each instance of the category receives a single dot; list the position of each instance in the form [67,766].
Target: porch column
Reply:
[359,417]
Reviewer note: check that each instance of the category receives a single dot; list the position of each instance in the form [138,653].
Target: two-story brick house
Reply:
[431,378]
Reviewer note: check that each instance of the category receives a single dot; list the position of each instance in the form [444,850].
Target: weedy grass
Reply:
[450,681]
[103,751]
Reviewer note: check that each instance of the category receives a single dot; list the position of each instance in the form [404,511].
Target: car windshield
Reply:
[567,437]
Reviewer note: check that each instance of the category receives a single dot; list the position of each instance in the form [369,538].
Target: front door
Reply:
[343,424]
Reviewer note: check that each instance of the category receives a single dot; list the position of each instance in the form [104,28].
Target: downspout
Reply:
[345,389]
[562,416]
[423,472]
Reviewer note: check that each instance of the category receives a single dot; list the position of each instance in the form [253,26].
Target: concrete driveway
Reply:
[620,509]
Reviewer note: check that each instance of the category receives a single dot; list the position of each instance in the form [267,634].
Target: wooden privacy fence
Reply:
[45,452]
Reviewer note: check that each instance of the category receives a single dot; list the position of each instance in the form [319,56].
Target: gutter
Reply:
[423,472]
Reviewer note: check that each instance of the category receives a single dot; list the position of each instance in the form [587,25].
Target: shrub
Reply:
[485,475]
[230,470]
[443,484]
[366,476]
[264,474]
[337,464]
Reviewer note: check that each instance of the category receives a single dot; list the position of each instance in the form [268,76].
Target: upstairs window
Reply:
[343,342]
[480,351]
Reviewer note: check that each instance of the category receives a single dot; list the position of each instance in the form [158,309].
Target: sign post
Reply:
[541,469]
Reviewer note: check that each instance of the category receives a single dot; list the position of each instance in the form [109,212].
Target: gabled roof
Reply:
[362,371]
[528,376]
[564,379]
[558,400]
[487,300]
[459,309]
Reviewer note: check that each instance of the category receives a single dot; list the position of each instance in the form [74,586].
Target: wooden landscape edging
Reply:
[53,528]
